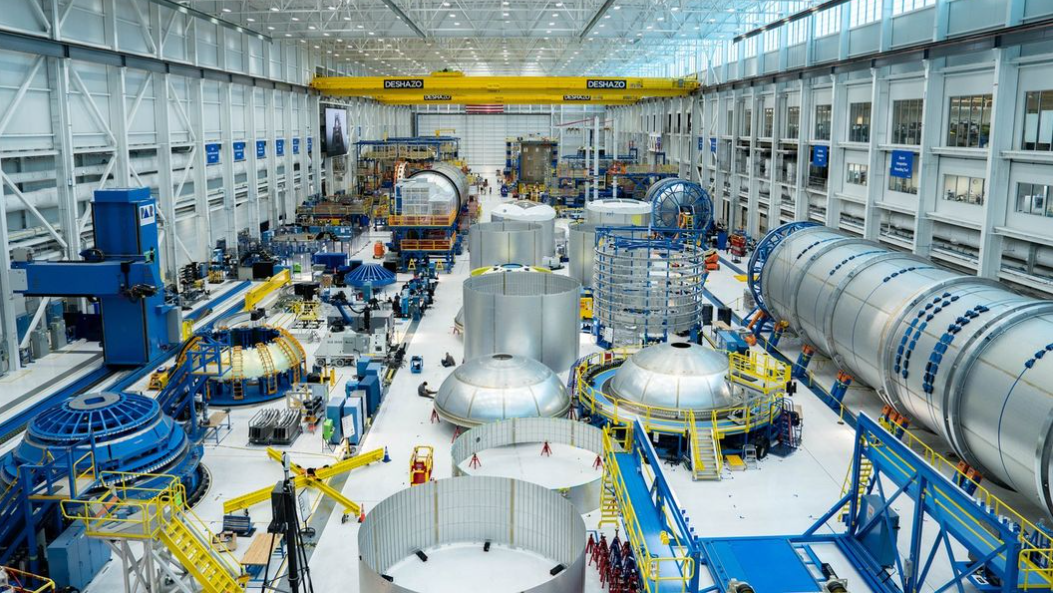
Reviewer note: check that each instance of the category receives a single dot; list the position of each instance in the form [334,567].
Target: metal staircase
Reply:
[270,375]
[866,472]
[201,358]
[705,460]
[152,508]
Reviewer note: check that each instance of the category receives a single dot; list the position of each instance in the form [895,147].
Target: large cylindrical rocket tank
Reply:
[962,355]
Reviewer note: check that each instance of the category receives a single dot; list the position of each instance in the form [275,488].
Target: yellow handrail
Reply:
[27,582]
[649,565]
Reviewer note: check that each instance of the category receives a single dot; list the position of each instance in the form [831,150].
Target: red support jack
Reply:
[546,450]
[456,433]
[598,464]
[475,463]
[434,416]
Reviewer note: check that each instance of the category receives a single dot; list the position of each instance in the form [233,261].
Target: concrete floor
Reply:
[780,496]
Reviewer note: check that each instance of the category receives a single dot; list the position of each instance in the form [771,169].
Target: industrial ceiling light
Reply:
[274,9]
[226,10]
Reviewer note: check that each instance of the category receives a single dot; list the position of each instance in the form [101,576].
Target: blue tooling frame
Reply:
[979,537]
[122,271]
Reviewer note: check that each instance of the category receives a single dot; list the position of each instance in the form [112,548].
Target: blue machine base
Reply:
[768,564]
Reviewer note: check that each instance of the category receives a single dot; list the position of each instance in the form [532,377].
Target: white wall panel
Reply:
[483,136]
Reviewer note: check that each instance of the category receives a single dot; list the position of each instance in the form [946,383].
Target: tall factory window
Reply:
[1033,198]
[857,173]
[906,121]
[906,185]
[862,12]
[822,122]
[827,22]
[1038,120]
[968,190]
[747,122]
[769,122]
[969,121]
[793,122]
[731,119]
[859,122]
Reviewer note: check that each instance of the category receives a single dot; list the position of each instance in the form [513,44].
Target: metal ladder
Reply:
[237,374]
[210,570]
[270,376]
[866,472]
[291,355]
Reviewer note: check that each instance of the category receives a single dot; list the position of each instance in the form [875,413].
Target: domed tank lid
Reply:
[100,414]
[678,375]
[621,205]
[498,387]
[525,210]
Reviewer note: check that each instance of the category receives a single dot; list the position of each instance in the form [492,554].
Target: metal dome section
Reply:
[529,314]
[678,203]
[121,432]
[509,242]
[646,288]
[260,365]
[448,178]
[618,212]
[535,212]
[500,387]
[964,356]
[372,275]
[676,376]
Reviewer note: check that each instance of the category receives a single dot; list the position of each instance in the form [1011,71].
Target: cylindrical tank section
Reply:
[497,243]
[679,203]
[500,387]
[531,314]
[534,212]
[618,212]
[581,252]
[962,355]
[447,177]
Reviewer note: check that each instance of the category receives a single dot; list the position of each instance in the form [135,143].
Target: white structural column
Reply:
[752,222]
[252,167]
[999,190]
[292,194]
[7,297]
[275,208]
[775,186]
[877,173]
[165,196]
[804,153]
[835,161]
[65,179]
[315,155]
[202,213]
[929,167]
[226,163]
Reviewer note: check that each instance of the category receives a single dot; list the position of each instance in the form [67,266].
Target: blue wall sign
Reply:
[279,147]
[212,153]
[820,155]
[296,146]
[712,145]
[261,149]
[902,164]
[701,143]
[310,145]
[239,151]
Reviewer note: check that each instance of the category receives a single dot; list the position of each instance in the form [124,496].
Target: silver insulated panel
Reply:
[531,314]
[535,212]
[581,252]
[618,212]
[497,243]
[964,356]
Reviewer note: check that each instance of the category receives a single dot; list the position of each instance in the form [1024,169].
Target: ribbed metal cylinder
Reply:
[646,289]
[472,510]
[618,212]
[510,242]
[531,314]
[446,175]
[534,212]
[962,355]
[581,252]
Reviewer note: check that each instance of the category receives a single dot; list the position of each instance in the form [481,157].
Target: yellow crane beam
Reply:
[505,99]
[457,83]
[258,293]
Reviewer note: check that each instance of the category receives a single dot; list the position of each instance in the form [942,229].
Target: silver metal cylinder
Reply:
[500,387]
[618,212]
[472,510]
[585,497]
[962,355]
[446,175]
[581,252]
[531,314]
[498,243]
[534,212]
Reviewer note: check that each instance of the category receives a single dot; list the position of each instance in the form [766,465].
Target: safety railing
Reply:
[650,565]
[402,220]
[718,453]
[428,244]
[1035,563]
[19,581]
[743,418]
[758,370]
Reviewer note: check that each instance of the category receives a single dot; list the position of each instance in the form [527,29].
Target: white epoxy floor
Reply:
[566,467]
[466,567]
[780,496]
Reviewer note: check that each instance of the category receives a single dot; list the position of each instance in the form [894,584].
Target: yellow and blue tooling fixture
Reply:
[122,272]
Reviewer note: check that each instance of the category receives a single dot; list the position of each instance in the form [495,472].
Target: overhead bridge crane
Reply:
[455,88]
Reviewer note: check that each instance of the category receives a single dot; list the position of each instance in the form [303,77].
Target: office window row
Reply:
[857,174]
[822,121]
[906,121]
[964,189]
[1034,198]
[859,122]
[906,185]
[1038,120]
